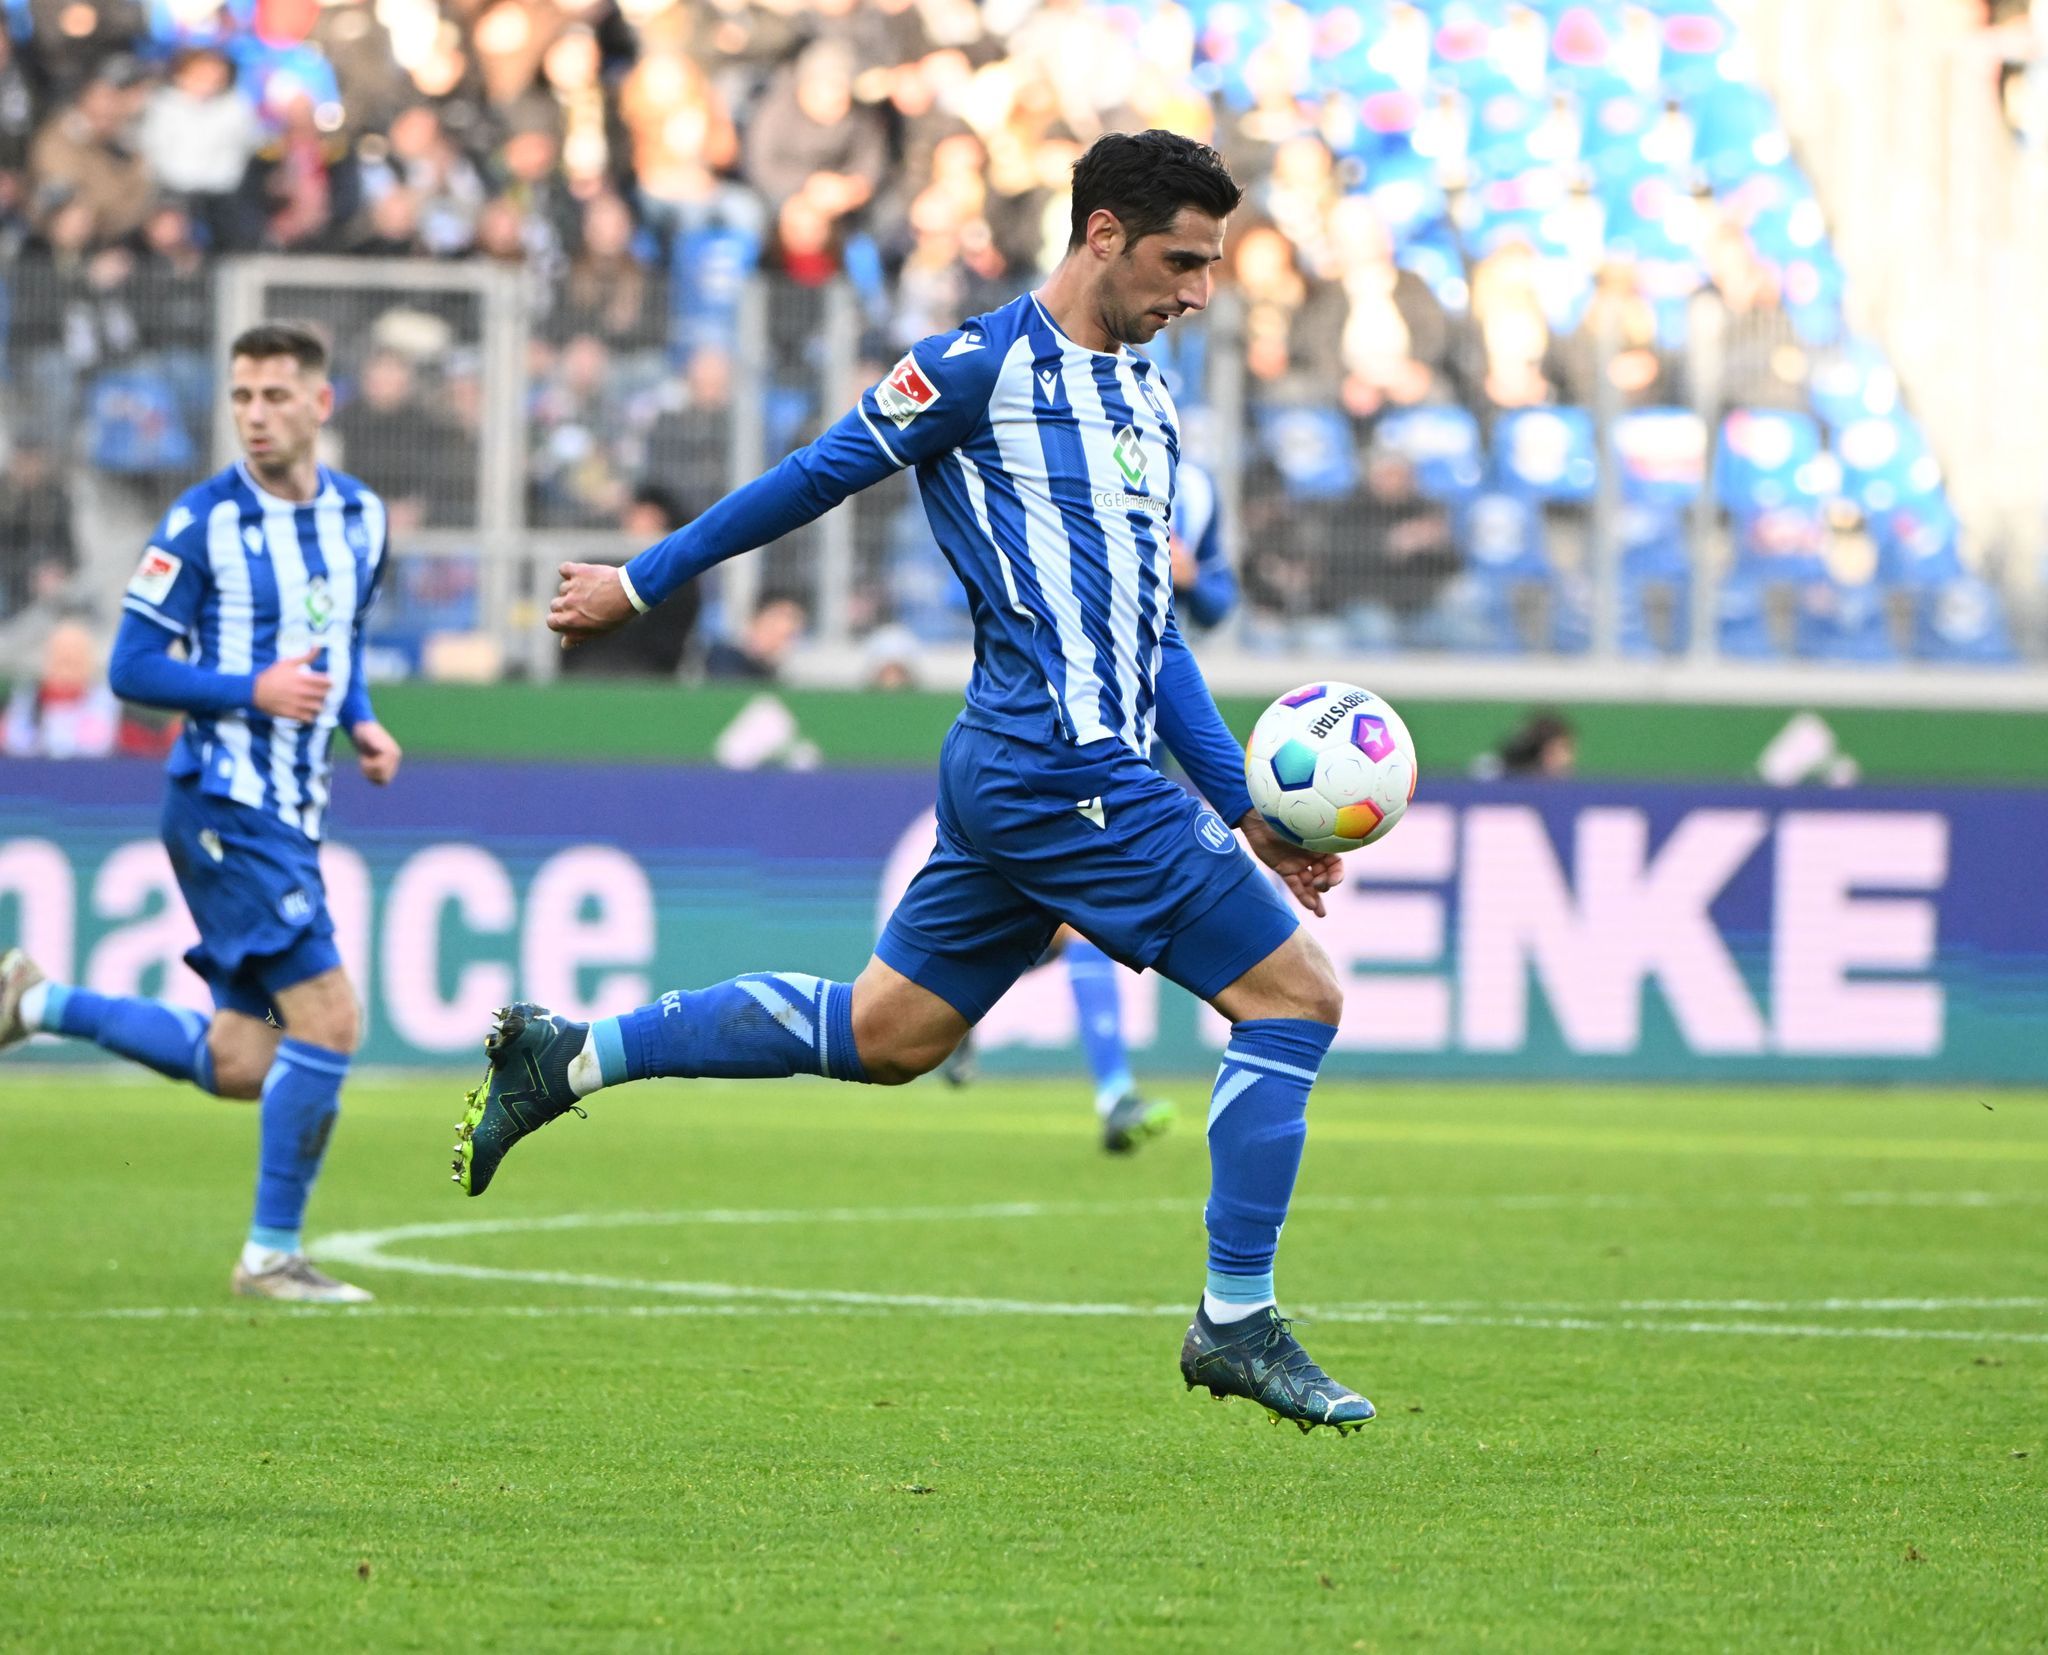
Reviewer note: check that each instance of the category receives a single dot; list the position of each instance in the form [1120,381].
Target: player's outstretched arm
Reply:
[925,405]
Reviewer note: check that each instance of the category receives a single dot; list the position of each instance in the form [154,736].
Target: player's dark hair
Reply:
[293,339]
[1146,178]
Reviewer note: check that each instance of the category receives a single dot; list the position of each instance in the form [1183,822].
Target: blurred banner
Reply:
[1599,931]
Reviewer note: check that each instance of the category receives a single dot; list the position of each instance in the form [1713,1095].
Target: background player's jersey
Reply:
[1198,526]
[1047,471]
[247,579]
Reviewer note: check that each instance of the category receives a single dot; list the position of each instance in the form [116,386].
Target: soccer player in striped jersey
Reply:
[1205,592]
[1045,450]
[264,574]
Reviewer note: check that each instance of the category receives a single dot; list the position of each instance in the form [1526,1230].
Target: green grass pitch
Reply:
[795,1366]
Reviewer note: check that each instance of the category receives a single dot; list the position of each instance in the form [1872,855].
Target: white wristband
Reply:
[632,597]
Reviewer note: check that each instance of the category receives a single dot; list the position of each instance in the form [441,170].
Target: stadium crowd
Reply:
[1458,214]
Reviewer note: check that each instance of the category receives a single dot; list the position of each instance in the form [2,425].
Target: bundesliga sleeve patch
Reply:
[155,575]
[906,393]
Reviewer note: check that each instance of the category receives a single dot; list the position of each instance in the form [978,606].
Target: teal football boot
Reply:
[1260,1358]
[525,1087]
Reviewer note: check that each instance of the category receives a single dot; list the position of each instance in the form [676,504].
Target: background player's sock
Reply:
[166,1038]
[301,1097]
[1092,974]
[1258,1119]
[760,1026]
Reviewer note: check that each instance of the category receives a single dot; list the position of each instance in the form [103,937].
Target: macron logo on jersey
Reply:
[961,346]
[906,393]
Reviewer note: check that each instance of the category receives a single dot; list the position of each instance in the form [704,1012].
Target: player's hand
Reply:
[1304,873]
[376,752]
[590,602]
[292,689]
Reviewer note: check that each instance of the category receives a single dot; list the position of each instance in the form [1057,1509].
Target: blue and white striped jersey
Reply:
[1047,470]
[248,579]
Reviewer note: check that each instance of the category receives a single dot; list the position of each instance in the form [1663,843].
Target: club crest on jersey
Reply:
[358,537]
[319,604]
[155,575]
[906,393]
[1130,455]
[1213,834]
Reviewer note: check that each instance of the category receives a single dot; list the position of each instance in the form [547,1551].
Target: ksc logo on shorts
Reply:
[296,906]
[1210,830]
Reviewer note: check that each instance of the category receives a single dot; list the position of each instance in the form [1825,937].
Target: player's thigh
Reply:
[1294,980]
[320,1010]
[901,1028]
[242,1047]
[963,933]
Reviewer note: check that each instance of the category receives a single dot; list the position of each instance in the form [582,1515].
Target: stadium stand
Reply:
[1484,244]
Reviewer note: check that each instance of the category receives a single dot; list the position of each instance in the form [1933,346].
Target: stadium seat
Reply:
[1918,543]
[1310,447]
[1786,543]
[1663,455]
[1962,621]
[1546,454]
[1886,461]
[1442,443]
[133,426]
[1853,380]
[1766,459]
[1846,623]
[1743,620]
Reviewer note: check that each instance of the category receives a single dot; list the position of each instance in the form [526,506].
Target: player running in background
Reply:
[1205,592]
[264,573]
[1045,451]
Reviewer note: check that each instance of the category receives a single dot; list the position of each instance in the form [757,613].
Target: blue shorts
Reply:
[253,885]
[1032,835]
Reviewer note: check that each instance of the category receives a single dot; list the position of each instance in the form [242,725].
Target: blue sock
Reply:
[301,1097]
[1093,976]
[763,1025]
[168,1039]
[1258,1119]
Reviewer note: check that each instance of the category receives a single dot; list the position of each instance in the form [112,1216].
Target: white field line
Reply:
[371,1249]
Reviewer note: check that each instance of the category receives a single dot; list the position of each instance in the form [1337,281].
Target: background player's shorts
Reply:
[253,885]
[1157,882]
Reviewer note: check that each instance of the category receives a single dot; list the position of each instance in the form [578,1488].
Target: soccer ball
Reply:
[1331,767]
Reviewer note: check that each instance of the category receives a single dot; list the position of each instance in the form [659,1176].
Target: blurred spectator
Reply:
[68,711]
[889,658]
[1397,340]
[683,142]
[172,289]
[577,475]
[1514,333]
[608,293]
[1762,362]
[656,645]
[17,110]
[1290,318]
[1642,374]
[689,448]
[37,551]
[1544,744]
[199,132]
[305,177]
[807,139]
[1392,551]
[419,157]
[389,228]
[83,156]
[761,649]
[72,40]
[72,312]
[412,455]
[573,69]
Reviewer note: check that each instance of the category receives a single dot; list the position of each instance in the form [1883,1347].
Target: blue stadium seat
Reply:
[1786,543]
[1501,536]
[1742,620]
[1845,623]
[1886,461]
[1853,380]
[1662,454]
[133,426]
[1766,459]
[1918,543]
[1962,621]
[1442,443]
[1546,454]
[1311,447]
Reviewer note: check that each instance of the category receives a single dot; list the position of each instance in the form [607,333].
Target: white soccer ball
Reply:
[1331,767]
